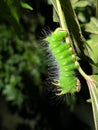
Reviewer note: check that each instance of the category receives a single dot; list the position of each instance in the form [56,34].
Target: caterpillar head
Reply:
[58,35]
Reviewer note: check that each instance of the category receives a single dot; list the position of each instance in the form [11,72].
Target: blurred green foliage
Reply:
[10,12]
[17,56]
[19,50]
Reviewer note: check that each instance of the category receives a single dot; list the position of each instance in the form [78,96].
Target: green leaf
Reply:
[54,4]
[81,17]
[15,13]
[13,94]
[93,43]
[83,3]
[92,26]
[93,89]
[74,1]
[9,13]
[55,16]
[26,6]
[13,10]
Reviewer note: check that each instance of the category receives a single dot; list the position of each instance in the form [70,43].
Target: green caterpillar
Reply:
[66,62]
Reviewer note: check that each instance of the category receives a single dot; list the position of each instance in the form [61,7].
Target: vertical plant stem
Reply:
[61,15]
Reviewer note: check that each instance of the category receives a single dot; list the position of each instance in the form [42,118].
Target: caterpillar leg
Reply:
[78,85]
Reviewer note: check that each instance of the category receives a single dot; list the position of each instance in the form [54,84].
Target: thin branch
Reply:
[61,15]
